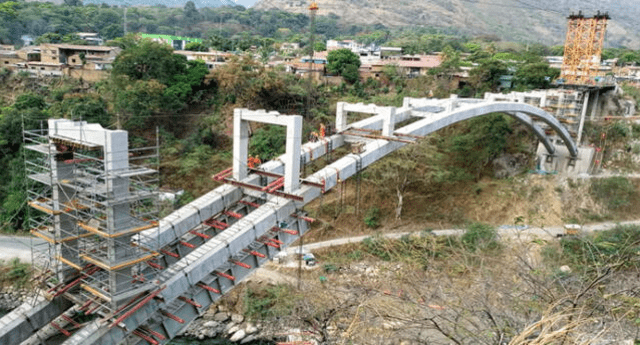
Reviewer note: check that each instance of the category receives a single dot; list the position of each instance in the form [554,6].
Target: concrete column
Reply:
[388,121]
[292,163]
[583,114]
[406,102]
[341,117]
[595,107]
[240,145]
[543,100]
[453,102]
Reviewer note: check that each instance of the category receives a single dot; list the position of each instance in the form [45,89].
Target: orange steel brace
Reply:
[145,337]
[249,203]
[232,214]
[190,301]
[208,288]
[275,241]
[216,224]
[228,276]
[155,265]
[223,174]
[166,252]
[187,244]
[172,317]
[153,333]
[136,307]
[70,320]
[271,244]
[62,330]
[199,234]
[241,264]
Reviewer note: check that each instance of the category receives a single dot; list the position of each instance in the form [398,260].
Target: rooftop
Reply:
[81,47]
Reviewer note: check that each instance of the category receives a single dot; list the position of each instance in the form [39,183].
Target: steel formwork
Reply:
[583,49]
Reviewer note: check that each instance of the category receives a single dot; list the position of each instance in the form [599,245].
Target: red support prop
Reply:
[260,255]
[166,252]
[216,224]
[306,219]
[249,203]
[155,265]
[187,244]
[172,317]
[54,287]
[208,288]
[70,320]
[275,182]
[92,310]
[223,174]
[286,231]
[145,337]
[62,330]
[232,214]
[241,264]
[86,305]
[271,245]
[190,301]
[228,276]
[154,333]
[136,307]
[276,187]
[275,241]
[193,232]
[66,288]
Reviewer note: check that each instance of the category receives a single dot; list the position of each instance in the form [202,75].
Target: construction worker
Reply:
[254,161]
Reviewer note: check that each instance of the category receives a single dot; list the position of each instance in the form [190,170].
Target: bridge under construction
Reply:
[145,279]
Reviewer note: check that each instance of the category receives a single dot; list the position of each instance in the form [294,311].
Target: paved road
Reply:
[20,247]
[549,232]
[17,247]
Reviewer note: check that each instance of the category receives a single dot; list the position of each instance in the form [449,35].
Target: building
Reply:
[211,59]
[409,66]
[177,42]
[91,38]
[76,61]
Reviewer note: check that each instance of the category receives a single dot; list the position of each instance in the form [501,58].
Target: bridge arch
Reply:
[520,111]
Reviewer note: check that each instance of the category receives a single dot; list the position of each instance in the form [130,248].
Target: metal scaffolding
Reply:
[91,197]
[583,49]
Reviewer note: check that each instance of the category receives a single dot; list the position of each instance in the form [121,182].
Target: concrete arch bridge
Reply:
[204,249]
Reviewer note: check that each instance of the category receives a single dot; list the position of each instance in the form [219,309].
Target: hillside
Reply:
[510,20]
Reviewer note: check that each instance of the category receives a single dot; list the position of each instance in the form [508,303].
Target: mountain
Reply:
[170,3]
[541,21]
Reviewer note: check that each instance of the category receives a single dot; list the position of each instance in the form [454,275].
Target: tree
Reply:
[320,46]
[196,47]
[351,73]
[190,12]
[409,168]
[486,77]
[73,2]
[536,75]
[149,60]
[338,60]
[49,37]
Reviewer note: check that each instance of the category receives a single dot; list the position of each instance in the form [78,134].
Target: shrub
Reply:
[372,218]
[274,301]
[480,237]
[615,192]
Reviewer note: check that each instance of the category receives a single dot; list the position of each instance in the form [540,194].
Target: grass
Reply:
[15,273]
[269,302]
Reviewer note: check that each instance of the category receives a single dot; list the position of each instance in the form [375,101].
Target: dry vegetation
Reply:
[473,289]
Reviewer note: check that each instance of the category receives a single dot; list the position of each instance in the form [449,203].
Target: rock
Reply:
[250,329]
[222,308]
[200,336]
[221,317]
[210,324]
[249,339]
[233,329]
[565,269]
[237,318]
[210,333]
[237,336]
[508,165]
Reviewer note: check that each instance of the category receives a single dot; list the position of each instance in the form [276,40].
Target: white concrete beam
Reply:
[240,145]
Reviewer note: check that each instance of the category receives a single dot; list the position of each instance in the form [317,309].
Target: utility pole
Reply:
[125,20]
[312,30]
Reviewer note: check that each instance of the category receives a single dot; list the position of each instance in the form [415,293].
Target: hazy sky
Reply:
[247,3]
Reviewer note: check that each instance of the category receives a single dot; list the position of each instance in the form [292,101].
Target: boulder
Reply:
[249,339]
[237,336]
[237,318]
[221,317]
[250,328]
[233,329]
[211,324]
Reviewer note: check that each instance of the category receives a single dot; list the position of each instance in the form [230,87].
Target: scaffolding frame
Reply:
[583,49]
[91,215]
